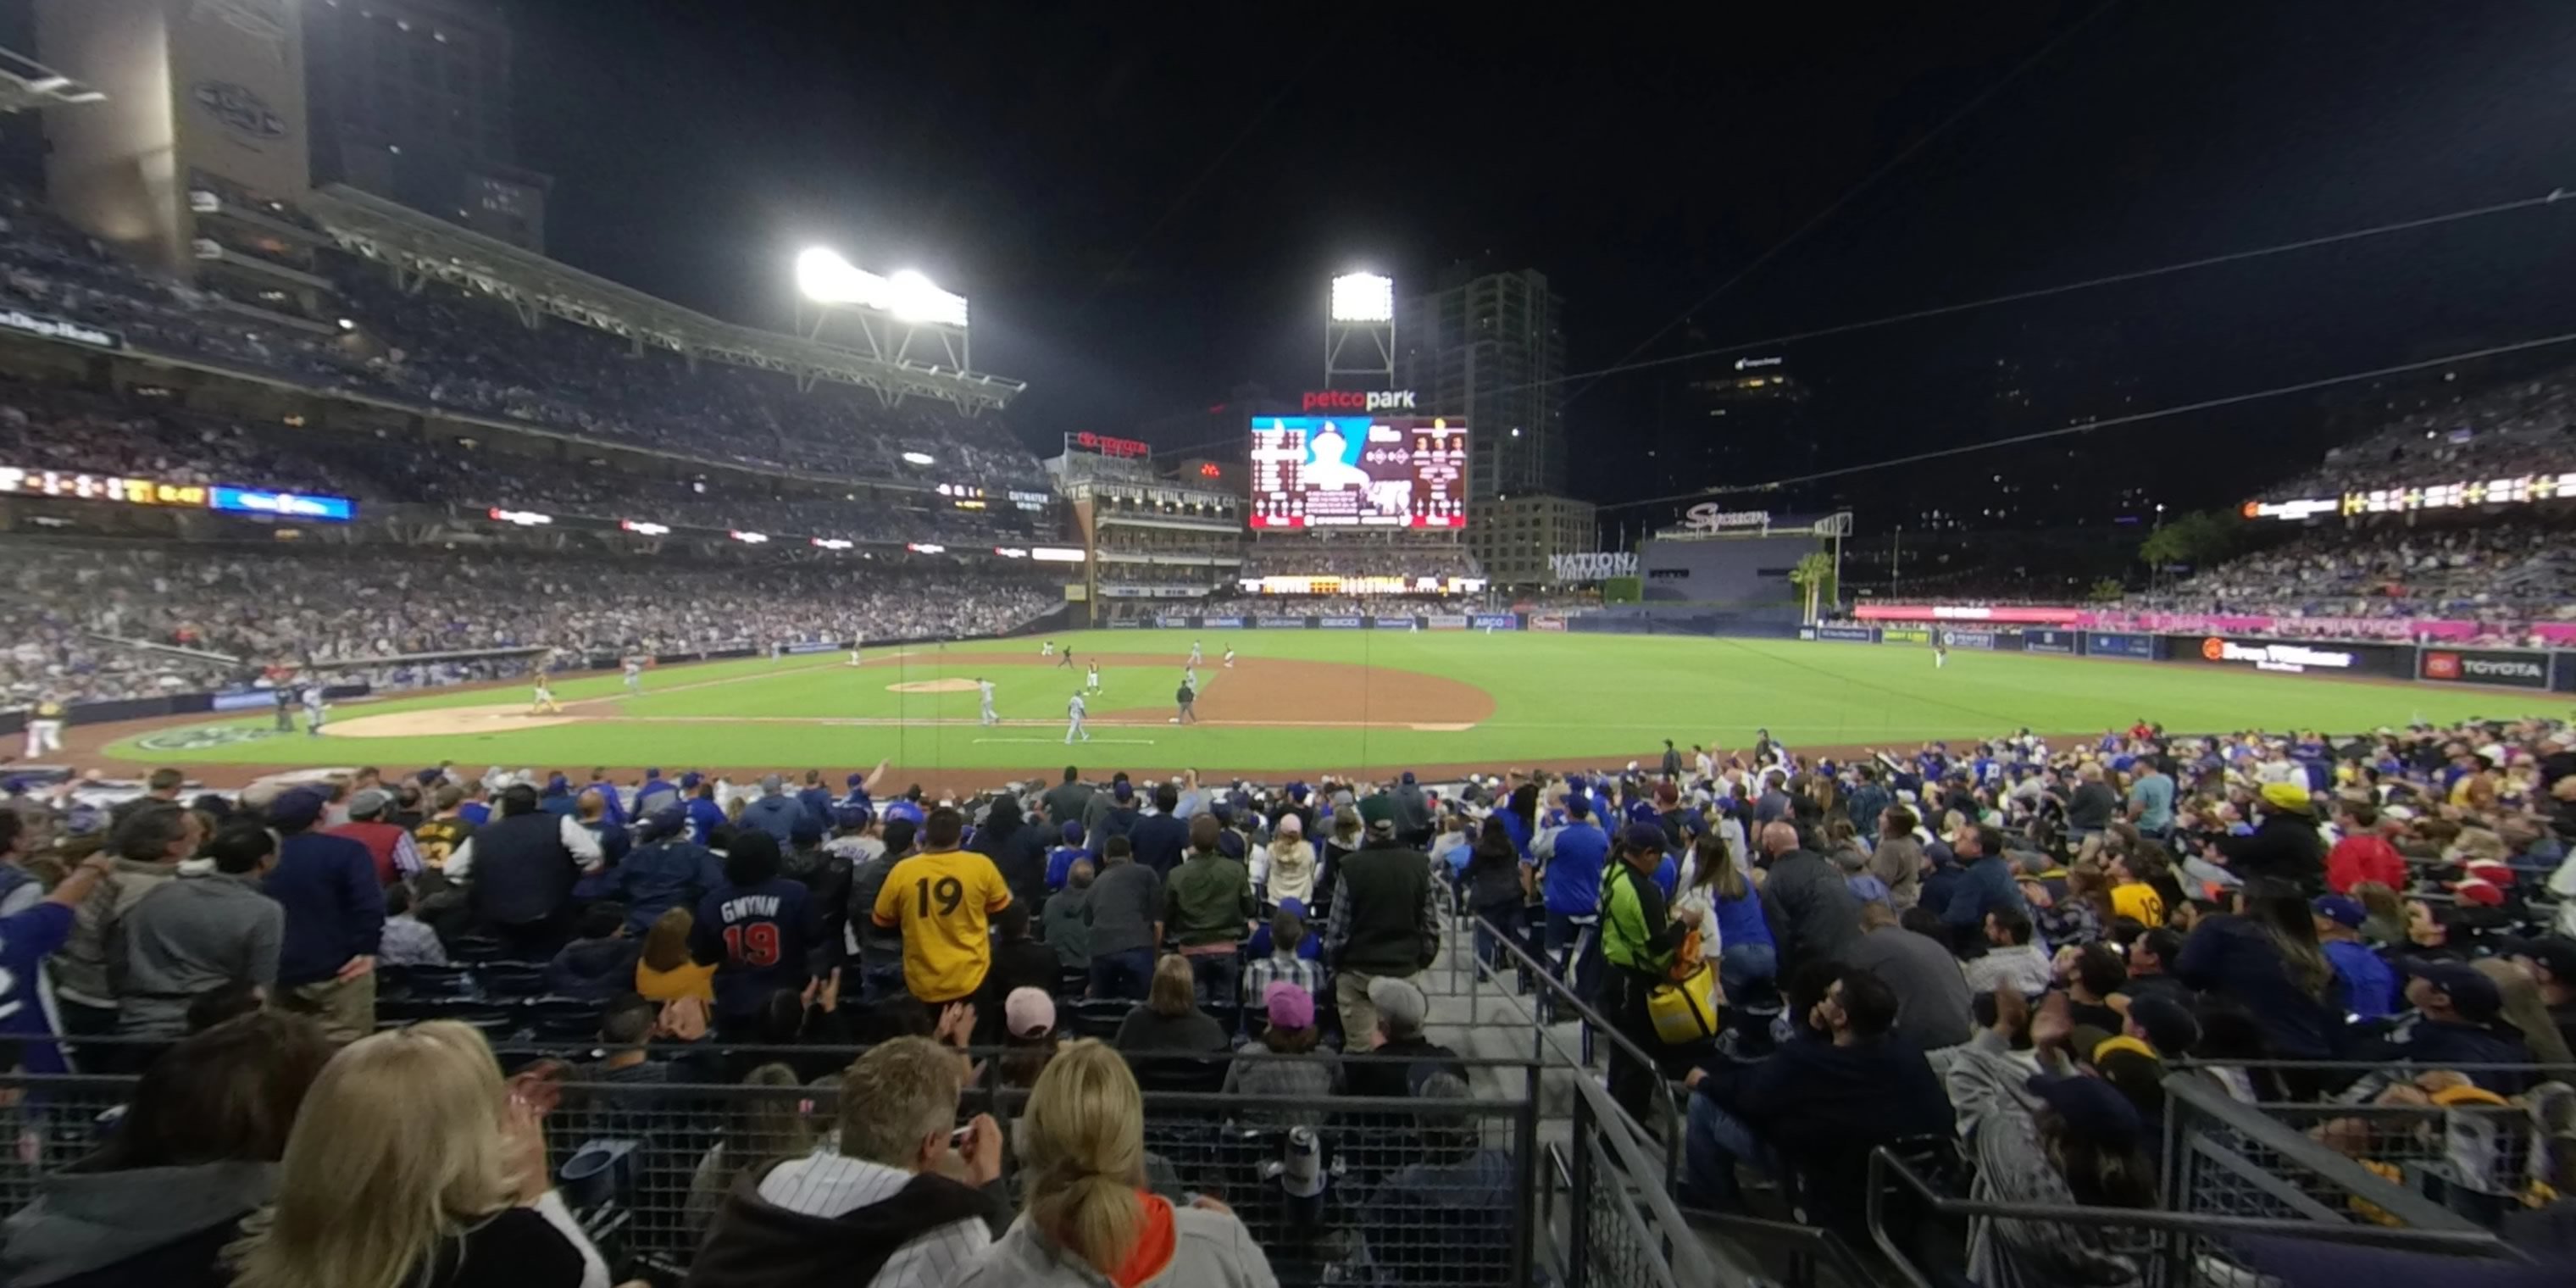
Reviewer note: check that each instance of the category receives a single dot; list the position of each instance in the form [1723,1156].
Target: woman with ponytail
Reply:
[1087,1219]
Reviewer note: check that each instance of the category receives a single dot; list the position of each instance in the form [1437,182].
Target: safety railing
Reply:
[2161,1248]
[1666,1106]
[1621,1226]
[1335,1189]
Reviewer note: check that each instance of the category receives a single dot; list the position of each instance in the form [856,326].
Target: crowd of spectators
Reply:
[346,604]
[1366,555]
[2500,574]
[2524,427]
[449,350]
[138,435]
[2005,946]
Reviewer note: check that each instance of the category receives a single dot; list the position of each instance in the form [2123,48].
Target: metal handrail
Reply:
[1885,1167]
[2406,1206]
[1671,1118]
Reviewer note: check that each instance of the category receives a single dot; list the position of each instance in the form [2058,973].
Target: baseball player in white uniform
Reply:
[1190,675]
[44,727]
[1229,657]
[1196,656]
[313,711]
[984,690]
[1046,648]
[1073,720]
[634,675]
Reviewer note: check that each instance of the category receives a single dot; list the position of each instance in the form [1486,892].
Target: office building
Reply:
[1515,538]
[1490,347]
[411,101]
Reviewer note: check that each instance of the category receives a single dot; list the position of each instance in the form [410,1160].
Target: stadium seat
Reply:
[511,979]
[1100,1017]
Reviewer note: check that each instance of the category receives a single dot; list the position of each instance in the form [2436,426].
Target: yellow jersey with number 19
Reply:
[943,903]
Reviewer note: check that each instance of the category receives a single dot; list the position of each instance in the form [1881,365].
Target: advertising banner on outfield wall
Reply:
[2291,657]
[1221,623]
[1905,635]
[1293,623]
[2045,640]
[1445,622]
[1393,623]
[1173,623]
[1508,622]
[2141,647]
[2483,666]
[1845,632]
[1125,624]
[1341,623]
[1979,638]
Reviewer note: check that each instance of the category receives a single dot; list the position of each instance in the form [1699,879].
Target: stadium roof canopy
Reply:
[421,246]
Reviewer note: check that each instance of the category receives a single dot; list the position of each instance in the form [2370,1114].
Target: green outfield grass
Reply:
[1556,698]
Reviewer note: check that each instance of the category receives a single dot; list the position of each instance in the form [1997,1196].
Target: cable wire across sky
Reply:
[2553,197]
[2109,422]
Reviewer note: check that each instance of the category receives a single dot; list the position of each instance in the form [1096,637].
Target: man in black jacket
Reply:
[1812,911]
[2285,845]
[1818,1105]
[1385,919]
[881,1204]
[522,866]
[1066,801]
[1158,839]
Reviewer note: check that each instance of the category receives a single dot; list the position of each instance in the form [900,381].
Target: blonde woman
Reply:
[1086,1218]
[412,1165]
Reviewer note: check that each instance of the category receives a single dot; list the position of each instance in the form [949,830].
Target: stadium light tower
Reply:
[903,318]
[1359,331]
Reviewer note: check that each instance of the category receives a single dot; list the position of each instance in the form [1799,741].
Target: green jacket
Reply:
[1208,900]
[1636,932]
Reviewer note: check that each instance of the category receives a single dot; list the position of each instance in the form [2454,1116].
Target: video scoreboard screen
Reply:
[1358,472]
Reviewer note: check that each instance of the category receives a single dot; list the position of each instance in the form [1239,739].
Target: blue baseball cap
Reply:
[1642,836]
[854,780]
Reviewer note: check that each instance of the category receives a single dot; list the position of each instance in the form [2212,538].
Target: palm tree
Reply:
[1814,574]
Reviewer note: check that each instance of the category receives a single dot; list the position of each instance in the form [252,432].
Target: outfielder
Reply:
[44,727]
[984,689]
[1073,717]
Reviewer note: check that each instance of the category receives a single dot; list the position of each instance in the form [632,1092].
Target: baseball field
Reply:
[1293,702]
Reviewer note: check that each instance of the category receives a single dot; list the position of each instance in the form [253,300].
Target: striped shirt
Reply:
[828,1185]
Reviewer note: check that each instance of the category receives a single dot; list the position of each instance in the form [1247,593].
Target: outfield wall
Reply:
[2433,663]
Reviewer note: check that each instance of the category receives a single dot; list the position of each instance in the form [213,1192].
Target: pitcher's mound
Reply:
[445,722]
[932,686]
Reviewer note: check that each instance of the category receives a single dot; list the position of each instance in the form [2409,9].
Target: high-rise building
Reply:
[410,101]
[1490,347]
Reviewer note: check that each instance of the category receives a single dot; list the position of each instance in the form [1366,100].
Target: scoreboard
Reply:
[1358,472]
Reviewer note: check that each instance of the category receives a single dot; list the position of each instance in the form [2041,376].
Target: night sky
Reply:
[1144,205]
